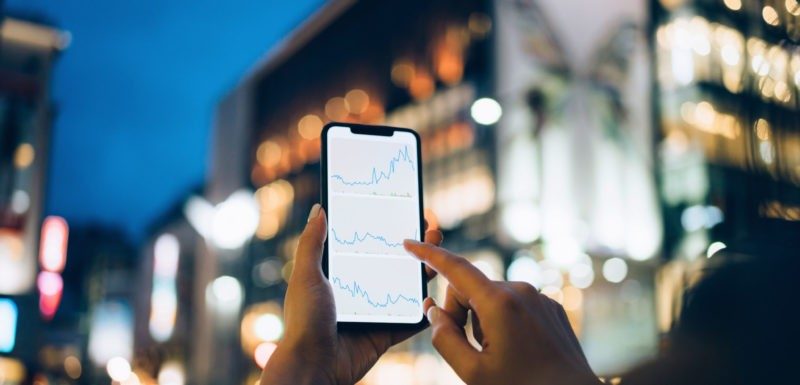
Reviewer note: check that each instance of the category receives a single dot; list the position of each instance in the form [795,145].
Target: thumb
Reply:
[450,341]
[308,257]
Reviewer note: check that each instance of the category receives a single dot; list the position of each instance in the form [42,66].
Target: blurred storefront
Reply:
[30,280]
[536,168]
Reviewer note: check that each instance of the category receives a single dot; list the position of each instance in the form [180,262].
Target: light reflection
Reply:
[486,111]
[715,248]
[310,126]
[268,154]
[422,85]
[268,327]
[73,368]
[793,7]
[770,15]
[449,203]
[24,156]
[274,202]
[552,277]
[581,276]
[488,262]
[573,298]
[402,73]
[336,109]
[171,373]
[20,202]
[525,269]
[225,295]
[9,313]
[479,24]
[759,65]
[357,101]
[263,353]
[163,298]
[522,221]
[730,55]
[554,293]
[119,369]
[615,270]
[705,117]
[734,5]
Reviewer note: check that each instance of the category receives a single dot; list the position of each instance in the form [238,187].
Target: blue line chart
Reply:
[376,177]
[356,291]
[361,238]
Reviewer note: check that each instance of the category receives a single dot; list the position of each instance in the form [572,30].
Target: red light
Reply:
[51,285]
[53,244]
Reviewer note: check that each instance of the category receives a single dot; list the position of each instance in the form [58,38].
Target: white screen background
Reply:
[373,205]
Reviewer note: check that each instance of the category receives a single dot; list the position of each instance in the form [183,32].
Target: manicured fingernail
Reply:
[314,212]
[432,314]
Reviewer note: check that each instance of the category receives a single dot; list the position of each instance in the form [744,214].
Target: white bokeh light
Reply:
[225,294]
[268,327]
[525,269]
[522,222]
[171,373]
[581,276]
[235,220]
[119,369]
[615,270]
[486,111]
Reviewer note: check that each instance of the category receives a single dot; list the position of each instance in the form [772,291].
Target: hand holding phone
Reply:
[313,350]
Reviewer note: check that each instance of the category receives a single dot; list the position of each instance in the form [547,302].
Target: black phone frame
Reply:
[378,130]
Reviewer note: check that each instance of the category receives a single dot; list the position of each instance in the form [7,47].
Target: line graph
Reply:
[377,176]
[361,238]
[366,286]
[379,169]
[356,291]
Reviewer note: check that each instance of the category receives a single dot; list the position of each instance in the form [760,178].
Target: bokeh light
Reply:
[486,111]
[615,270]
[119,369]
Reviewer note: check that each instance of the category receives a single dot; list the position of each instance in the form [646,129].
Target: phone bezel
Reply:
[377,130]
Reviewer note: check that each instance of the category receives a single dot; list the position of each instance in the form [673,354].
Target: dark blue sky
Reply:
[135,96]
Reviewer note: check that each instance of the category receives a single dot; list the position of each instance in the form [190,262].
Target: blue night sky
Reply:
[135,95]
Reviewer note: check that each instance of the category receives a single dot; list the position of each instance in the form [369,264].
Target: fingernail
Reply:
[314,212]
[432,314]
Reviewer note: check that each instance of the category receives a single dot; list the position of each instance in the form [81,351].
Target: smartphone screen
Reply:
[371,187]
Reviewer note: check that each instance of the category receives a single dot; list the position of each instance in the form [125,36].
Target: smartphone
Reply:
[372,193]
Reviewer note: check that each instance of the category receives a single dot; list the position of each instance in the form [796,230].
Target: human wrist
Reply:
[287,366]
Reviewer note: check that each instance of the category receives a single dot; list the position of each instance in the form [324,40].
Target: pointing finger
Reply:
[462,275]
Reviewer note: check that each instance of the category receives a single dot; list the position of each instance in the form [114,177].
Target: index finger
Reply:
[462,275]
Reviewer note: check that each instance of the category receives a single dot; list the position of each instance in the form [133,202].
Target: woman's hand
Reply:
[525,336]
[312,351]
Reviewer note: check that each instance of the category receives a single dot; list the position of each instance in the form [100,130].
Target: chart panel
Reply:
[379,169]
[373,204]
[368,287]
[371,226]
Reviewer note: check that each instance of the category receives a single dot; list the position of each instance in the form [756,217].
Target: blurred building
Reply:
[98,308]
[727,81]
[537,164]
[602,155]
[166,327]
[28,51]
